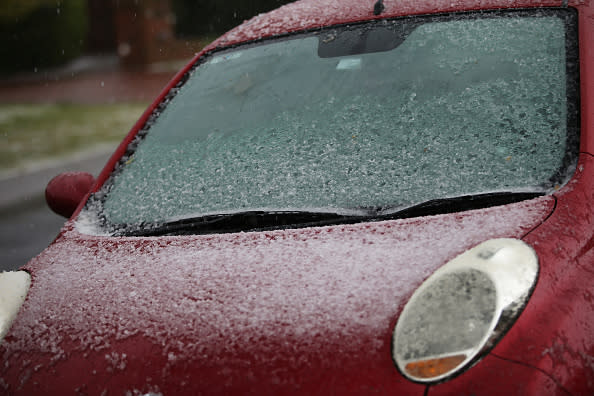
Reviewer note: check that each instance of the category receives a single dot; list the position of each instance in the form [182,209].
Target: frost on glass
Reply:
[455,314]
[460,107]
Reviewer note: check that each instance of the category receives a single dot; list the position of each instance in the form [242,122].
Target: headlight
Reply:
[13,290]
[463,309]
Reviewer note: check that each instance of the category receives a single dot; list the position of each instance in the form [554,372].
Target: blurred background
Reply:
[75,76]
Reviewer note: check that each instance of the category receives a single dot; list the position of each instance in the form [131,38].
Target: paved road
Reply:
[25,233]
[27,225]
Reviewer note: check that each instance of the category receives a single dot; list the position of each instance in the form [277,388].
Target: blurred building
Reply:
[42,34]
[145,32]
[141,32]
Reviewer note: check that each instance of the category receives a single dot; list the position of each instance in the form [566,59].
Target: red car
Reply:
[337,197]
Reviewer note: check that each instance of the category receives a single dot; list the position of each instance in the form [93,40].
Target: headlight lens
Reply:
[13,290]
[461,310]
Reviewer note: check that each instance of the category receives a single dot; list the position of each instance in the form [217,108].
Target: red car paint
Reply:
[307,310]
[289,311]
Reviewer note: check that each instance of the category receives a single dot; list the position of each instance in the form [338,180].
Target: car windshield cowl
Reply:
[260,220]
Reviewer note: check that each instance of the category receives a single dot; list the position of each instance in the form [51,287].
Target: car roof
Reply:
[313,14]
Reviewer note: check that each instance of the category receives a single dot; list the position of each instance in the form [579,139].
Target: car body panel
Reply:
[586,35]
[312,305]
[305,310]
[512,378]
[554,335]
[560,339]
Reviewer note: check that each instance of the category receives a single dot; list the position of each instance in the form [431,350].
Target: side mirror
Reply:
[65,191]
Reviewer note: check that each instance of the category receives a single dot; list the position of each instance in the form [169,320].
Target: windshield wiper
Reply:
[456,204]
[242,221]
[274,220]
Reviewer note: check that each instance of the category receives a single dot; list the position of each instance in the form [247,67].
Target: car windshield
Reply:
[383,114]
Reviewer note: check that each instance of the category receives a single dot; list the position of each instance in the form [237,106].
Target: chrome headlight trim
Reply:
[463,309]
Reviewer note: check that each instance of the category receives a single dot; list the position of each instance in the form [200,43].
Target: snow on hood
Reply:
[213,295]
[311,14]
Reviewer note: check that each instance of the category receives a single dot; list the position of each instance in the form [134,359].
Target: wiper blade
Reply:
[242,221]
[274,220]
[456,204]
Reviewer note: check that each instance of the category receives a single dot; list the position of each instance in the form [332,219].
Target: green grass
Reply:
[32,133]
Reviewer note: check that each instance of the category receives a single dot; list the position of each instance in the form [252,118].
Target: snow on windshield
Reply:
[460,107]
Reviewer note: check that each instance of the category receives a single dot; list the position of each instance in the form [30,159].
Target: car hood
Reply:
[231,311]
